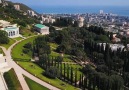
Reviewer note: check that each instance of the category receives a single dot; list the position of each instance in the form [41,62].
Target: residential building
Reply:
[47,19]
[42,29]
[17,7]
[31,13]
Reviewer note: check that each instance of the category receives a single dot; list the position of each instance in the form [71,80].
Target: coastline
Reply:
[120,11]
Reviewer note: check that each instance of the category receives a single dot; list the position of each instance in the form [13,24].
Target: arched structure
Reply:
[12,31]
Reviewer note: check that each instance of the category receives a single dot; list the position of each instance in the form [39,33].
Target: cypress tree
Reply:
[64,71]
[58,64]
[52,61]
[71,75]
[61,71]
[85,84]
[48,61]
[75,77]
[67,71]
[82,79]
[80,83]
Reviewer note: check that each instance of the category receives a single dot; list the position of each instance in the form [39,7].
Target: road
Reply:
[20,72]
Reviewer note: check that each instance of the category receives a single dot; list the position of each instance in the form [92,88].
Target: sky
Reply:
[74,2]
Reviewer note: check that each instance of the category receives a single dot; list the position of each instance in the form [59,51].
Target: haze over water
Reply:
[120,10]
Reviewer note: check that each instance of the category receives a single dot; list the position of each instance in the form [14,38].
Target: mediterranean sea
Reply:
[119,10]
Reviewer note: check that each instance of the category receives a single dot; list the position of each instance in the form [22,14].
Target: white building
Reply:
[31,13]
[17,7]
[42,29]
[47,19]
[12,30]
[113,47]
[80,22]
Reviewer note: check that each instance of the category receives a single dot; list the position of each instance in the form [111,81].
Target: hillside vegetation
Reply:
[25,22]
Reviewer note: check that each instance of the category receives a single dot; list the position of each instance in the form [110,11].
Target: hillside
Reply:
[23,7]
[25,22]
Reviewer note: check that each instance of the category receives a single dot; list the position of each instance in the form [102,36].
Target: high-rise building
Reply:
[80,22]
[31,13]
[101,12]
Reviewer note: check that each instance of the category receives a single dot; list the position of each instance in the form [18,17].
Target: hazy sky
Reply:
[75,2]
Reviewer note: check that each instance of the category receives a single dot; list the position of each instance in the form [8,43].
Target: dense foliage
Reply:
[63,22]
[53,65]
[109,64]
[4,37]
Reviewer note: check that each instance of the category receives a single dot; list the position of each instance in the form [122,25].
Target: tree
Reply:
[28,45]
[117,83]
[64,72]
[68,71]
[71,78]
[75,77]
[4,37]
[59,59]
[52,72]
[111,36]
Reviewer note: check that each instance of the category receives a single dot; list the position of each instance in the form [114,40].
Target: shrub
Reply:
[25,51]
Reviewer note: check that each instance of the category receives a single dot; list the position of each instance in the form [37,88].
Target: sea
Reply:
[119,10]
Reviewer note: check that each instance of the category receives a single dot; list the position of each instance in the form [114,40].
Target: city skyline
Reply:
[74,3]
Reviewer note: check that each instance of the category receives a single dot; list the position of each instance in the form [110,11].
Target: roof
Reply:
[39,25]
[10,28]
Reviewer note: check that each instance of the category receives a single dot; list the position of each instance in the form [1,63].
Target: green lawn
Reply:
[27,33]
[53,45]
[55,54]
[65,59]
[17,50]
[33,85]
[12,80]
[11,41]
[37,71]
[18,38]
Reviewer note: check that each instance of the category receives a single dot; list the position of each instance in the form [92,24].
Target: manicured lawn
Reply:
[11,41]
[78,67]
[65,59]
[12,80]
[37,71]
[17,50]
[18,38]
[55,54]
[33,85]
[53,45]
[27,33]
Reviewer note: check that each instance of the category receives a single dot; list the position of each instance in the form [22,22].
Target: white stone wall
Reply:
[44,30]
[13,33]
